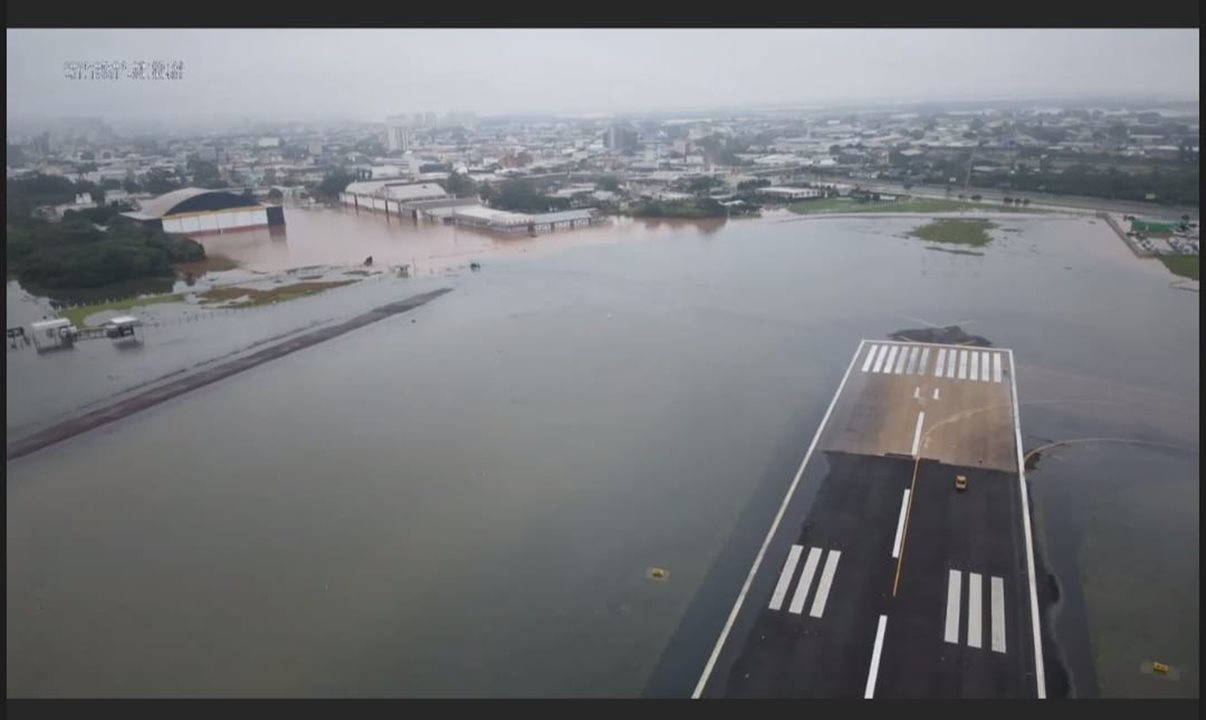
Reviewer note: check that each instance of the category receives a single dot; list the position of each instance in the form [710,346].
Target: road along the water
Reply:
[142,401]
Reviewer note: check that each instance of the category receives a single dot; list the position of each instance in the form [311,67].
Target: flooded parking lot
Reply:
[470,503]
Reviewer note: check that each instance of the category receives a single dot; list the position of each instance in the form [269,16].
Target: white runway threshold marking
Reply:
[962,364]
[998,615]
[996,367]
[879,358]
[939,365]
[914,353]
[904,508]
[975,607]
[900,361]
[917,433]
[873,673]
[950,363]
[810,570]
[974,370]
[953,585]
[891,358]
[789,569]
[984,363]
[818,602]
[870,357]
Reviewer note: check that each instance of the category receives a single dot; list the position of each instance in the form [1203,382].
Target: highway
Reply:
[878,577]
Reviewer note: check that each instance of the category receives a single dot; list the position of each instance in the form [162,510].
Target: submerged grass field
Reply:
[79,313]
[256,297]
[956,232]
[1186,266]
[915,205]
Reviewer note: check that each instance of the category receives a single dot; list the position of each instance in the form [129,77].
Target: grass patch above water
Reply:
[1187,266]
[254,297]
[822,206]
[956,232]
[79,313]
[211,263]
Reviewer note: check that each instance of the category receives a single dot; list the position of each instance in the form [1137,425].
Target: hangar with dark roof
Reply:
[197,210]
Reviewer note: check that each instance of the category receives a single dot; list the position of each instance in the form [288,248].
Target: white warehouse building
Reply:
[200,211]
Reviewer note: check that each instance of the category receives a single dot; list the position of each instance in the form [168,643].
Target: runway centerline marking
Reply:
[935,393]
[789,569]
[873,672]
[953,586]
[900,524]
[917,393]
[810,569]
[917,433]
[818,602]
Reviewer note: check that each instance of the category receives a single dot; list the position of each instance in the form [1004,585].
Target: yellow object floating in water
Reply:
[657,573]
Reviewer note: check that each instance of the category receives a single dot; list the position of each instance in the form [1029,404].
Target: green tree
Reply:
[611,183]
[459,184]
[333,183]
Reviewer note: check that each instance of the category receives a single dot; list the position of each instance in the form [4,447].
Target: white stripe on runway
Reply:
[953,586]
[917,393]
[917,433]
[870,357]
[904,510]
[939,366]
[879,358]
[789,569]
[998,615]
[973,372]
[950,364]
[935,393]
[818,602]
[924,362]
[900,362]
[962,364]
[891,359]
[996,367]
[975,608]
[984,363]
[810,569]
[914,353]
[879,646]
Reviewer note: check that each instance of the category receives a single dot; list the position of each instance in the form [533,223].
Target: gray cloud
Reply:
[369,73]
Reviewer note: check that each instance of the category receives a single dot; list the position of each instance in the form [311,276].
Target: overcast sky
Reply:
[286,74]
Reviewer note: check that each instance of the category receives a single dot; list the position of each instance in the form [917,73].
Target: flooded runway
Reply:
[460,505]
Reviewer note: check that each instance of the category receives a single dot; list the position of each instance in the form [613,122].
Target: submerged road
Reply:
[879,577]
[154,396]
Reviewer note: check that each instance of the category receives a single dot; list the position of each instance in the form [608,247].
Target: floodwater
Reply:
[469,504]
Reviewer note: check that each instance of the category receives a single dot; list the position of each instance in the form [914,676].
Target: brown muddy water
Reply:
[469,504]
